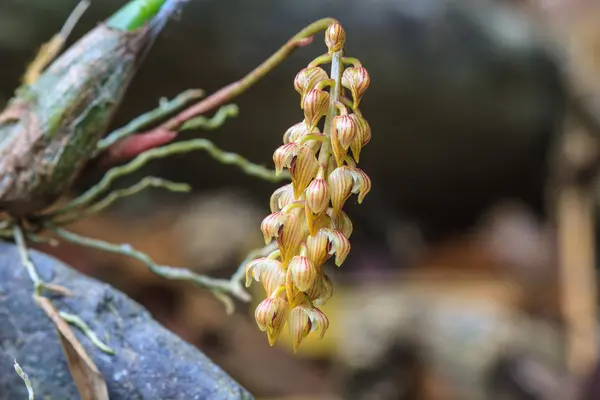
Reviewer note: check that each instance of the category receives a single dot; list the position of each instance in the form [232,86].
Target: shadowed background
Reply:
[465,104]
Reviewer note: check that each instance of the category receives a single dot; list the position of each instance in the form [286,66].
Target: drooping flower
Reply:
[299,133]
[321,291]
[282,197]
[341,222]
[362,137]
[304,319]
[271,315]
[268,272]
[306,217]
[357,80]
[302,273]
[326,243]
[315,106]
[344,181]
[307,79]
[317,196]
[300,160]
[344,132]
[286,228]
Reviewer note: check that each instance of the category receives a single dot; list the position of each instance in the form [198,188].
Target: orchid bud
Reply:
[307,79]
[335,37]
[315,106]
[345,130]
[357,80]
[302,272]
[346,127]
[362,137]
[317,196]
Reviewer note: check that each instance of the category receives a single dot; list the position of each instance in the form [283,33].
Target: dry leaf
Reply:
[89,380]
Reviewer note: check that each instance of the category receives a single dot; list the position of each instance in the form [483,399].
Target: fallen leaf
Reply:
[90,382]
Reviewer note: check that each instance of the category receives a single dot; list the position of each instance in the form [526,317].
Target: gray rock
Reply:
[150,362]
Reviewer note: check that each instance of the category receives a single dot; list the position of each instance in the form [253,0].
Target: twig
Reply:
[234,89]
[165,108]
[87,331]
[222,288]
[25,378]
[161,152]
[115,195]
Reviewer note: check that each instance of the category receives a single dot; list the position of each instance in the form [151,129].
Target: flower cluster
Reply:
[307,219]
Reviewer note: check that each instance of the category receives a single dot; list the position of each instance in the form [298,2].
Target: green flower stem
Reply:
[87,331]
[311,136]
[234,89]
[162,152]
[350,104]
[115,195]
[355,62]
[325,83]
[165,108]
[334,97]
[324,59]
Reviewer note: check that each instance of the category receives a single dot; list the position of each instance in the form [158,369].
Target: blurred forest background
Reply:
[472,271]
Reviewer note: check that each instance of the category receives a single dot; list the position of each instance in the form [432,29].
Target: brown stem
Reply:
[234,89]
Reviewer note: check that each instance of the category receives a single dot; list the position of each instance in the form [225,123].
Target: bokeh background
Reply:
[472,271]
